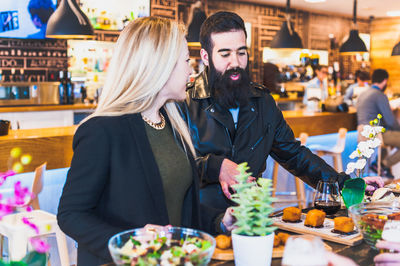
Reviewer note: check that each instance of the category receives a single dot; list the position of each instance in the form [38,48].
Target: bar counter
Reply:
[38,108]
[54,145]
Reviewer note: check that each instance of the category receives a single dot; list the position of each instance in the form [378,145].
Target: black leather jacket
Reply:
[261,131]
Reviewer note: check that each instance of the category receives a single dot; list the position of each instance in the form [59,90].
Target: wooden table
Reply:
[54,145]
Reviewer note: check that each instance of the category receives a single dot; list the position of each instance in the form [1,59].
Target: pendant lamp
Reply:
[69,22]
[286,37]
[354,44]
[396,49]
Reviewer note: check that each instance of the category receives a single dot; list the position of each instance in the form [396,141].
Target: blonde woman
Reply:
[133,158]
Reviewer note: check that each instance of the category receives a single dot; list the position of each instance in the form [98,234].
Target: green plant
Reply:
[254,204]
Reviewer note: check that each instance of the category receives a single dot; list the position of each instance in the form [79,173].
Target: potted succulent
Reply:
[254,236]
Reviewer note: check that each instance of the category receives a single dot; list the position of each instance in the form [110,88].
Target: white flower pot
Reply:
[252,250]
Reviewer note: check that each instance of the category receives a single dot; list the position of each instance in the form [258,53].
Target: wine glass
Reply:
[304,250]
[327,197]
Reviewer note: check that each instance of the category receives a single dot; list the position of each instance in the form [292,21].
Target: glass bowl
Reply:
[370,218]
[176,236]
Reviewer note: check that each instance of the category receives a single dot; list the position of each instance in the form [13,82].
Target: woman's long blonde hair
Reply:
[144,57]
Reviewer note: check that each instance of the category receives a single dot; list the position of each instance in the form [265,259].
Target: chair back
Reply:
[37,185]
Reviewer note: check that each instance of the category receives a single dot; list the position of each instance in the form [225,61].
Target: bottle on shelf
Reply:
[63,89]
[70,89]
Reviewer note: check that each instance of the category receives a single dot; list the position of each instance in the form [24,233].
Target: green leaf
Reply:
[353,191]
[33,258]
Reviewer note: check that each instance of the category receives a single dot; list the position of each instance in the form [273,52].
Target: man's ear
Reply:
[204,56]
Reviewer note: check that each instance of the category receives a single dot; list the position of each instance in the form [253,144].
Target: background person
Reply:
[373,102]
[320,81]
[40,11]
[133,160]
[355,89]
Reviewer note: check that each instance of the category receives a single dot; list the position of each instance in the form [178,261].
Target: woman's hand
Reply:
[388,258]
[373,182]
[228,221]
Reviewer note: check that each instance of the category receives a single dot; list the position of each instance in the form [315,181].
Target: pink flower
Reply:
[31,225]
[5,209]
[20,195]
[39,245]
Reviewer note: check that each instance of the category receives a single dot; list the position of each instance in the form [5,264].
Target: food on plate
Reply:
[283,237]
[164,251]
[395,185]
[223,241]
[277,241]
[394,216]
[383,194]
[291,214]
[315,218]
[343,224]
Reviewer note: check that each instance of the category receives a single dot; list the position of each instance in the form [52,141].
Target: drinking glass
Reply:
[327,197]
[305,250]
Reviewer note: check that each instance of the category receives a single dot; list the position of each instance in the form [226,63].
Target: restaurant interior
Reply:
[51,79]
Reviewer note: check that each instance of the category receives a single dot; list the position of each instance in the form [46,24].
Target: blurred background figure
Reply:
[359,86]
[319,82]
[197,15]
[40,11]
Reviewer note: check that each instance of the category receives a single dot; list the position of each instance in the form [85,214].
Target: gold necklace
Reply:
[157,126]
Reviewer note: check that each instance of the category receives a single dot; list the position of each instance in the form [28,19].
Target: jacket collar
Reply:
[201,89]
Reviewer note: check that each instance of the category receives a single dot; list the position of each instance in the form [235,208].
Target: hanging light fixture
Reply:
[286,37]
[396,49]
[354,44]
[69,22]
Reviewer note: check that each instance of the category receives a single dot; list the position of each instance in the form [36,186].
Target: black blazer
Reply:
[114,185]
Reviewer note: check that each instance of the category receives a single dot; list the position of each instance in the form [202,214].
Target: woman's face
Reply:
[175,88]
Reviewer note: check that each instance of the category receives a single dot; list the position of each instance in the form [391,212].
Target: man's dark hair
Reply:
[219,22]
[362,75]
[42,9]
[379,75]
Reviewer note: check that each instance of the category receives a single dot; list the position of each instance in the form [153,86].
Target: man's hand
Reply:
[227,176]
[229,220]
[373,182]
[388,258]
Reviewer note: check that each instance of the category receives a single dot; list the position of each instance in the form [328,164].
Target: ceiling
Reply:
[365,8]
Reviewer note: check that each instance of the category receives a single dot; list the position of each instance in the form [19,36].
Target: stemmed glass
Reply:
[327,197]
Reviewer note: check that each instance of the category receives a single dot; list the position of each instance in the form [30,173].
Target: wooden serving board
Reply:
[324,232]
[227,254]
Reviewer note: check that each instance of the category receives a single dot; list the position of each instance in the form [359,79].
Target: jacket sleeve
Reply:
[209,165]
[387,114]
[298,159]
[85,182]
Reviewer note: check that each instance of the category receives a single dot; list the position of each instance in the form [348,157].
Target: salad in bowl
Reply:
[166,246]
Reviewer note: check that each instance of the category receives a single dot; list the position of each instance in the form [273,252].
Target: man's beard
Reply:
[230,89]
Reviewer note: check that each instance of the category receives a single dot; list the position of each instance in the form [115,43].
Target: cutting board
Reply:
[227,254]
[325,232]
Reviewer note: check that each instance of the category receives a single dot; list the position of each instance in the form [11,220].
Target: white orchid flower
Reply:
[378,129]
[374,143]
[368,131]
[354,154]
[360,164]
[365,149]
[350,168]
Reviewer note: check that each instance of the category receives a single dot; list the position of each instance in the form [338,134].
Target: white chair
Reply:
[18,233]
[335,151]
[300,191]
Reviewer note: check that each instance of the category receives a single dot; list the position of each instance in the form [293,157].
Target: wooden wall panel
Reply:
[385,33]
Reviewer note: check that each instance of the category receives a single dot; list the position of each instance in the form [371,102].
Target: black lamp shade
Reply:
[64,23]
[283,38]
[354,44]
[396,49]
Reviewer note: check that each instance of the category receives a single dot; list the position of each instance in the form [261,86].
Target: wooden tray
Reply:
[324,232]
[227,254]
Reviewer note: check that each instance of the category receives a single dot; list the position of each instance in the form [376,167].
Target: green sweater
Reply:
[174,167]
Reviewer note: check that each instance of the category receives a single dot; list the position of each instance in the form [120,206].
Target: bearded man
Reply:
[233,120]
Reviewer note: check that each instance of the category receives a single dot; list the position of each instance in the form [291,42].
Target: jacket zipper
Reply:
[230,141]
[262,136]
